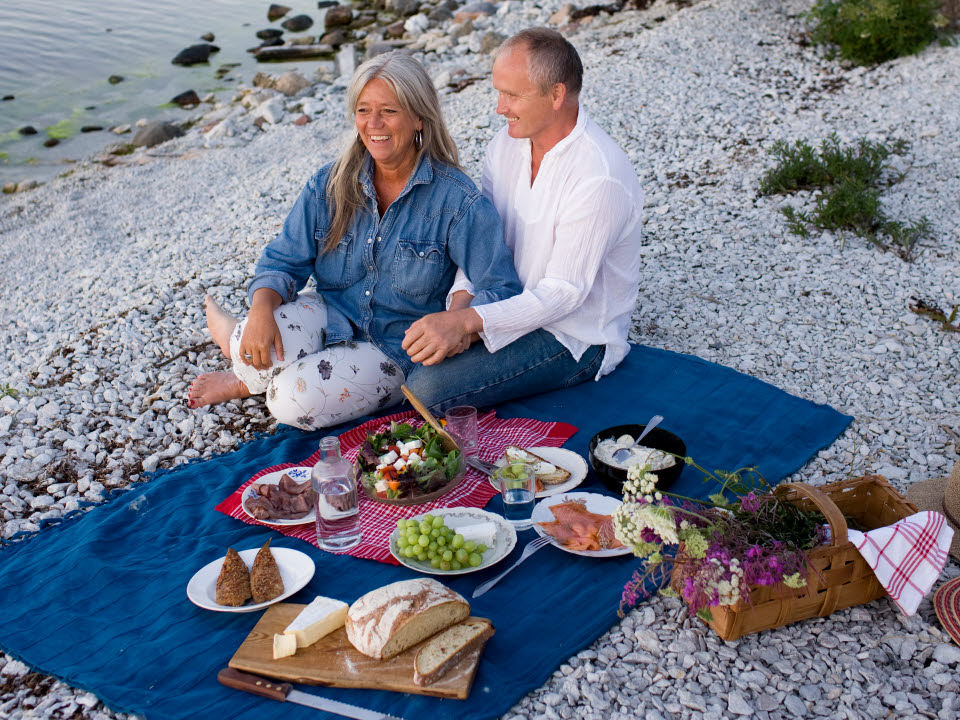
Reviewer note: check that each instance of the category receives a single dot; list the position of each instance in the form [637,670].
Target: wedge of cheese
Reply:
[319,618]
[482,532]
[284,646]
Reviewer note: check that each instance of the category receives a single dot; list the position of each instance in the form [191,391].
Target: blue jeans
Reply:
[533,364]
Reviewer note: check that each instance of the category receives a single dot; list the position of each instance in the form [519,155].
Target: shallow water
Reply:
[56,58]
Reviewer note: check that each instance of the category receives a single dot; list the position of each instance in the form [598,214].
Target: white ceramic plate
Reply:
[300,474]
[503,543]
[562,458]
[296,569]
[596,503]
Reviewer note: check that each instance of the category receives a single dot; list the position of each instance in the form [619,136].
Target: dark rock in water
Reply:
[275,12]
[272,42]
[269,34]
[207,37]
[156,133]
[450,5]
[321,4]
[195,54]
[114,79]
[186,99]
[51,142]
[8,97]
[440,15]
[294,52]
[335,37]
[337,17]
[28,130]
[298,23]
[90,107]
[91,128]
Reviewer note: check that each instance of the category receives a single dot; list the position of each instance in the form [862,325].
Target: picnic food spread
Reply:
[404,462]
[656,459]
[579,529]
[546,473]
[390,619]
[287,500]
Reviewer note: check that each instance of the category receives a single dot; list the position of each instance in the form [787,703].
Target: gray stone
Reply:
[156,133]
[738,705]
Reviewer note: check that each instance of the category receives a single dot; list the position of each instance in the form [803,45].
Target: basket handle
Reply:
[838,525]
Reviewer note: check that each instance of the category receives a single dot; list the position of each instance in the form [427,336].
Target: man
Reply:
[571,206]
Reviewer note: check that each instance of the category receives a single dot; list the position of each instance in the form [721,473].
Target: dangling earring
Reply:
[418,139]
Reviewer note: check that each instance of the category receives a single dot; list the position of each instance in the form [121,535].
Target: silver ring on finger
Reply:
[247,356]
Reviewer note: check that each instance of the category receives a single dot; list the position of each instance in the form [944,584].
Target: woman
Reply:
[382,231]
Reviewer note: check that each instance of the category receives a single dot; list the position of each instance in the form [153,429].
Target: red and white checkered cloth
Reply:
[377,520]
[907,556]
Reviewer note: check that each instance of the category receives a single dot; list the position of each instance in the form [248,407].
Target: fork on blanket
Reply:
[529,550]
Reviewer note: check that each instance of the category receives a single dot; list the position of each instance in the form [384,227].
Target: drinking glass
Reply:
[462,424]
[517,483]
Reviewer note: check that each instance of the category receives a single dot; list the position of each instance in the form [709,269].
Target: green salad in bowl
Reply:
[404,465]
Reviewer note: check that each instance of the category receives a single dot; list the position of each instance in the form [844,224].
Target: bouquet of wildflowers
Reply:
[728,545]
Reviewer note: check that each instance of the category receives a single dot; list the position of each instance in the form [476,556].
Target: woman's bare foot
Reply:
[220,323]
[216,387]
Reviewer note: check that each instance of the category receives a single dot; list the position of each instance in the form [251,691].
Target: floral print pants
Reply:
[316,386]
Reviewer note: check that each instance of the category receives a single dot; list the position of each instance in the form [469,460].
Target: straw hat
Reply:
[943,496]
[946,602]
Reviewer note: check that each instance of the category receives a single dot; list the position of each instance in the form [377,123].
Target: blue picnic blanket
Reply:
[100,599]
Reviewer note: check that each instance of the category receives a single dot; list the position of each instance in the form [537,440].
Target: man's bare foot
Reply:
[220,323]
[216,387]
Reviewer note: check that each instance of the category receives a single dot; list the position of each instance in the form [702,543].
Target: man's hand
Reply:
[441,335]
[261,334]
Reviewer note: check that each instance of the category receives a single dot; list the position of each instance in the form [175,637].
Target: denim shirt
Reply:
[387,272]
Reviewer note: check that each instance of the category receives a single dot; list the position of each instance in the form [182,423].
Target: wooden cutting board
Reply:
[334,662]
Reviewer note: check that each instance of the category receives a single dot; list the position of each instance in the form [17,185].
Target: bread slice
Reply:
[445,651]
[545,471]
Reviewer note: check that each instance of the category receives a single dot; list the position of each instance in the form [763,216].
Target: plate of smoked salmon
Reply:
[581,523]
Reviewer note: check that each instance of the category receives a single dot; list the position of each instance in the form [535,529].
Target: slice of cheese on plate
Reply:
[481,532]
[319,618]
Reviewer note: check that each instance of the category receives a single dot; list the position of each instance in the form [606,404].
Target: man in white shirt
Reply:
[571,206]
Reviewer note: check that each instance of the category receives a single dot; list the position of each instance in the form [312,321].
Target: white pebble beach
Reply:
[104,272]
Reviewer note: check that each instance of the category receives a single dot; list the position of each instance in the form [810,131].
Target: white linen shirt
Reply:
[575,237]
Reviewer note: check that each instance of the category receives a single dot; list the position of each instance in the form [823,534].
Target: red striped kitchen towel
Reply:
[907,556]
[378,520]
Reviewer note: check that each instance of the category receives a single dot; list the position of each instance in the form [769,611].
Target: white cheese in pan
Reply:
[319,618]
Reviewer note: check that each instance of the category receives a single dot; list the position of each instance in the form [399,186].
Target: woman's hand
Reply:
[261,334]
[441,335]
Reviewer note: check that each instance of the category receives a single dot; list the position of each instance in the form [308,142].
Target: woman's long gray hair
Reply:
[416,94]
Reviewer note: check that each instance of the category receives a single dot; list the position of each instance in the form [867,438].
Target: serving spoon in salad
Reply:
[623,454]
[427,415]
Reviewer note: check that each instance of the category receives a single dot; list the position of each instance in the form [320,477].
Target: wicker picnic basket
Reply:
[843,578]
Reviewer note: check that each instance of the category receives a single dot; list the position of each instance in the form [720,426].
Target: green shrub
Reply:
[873,31]
[849,180]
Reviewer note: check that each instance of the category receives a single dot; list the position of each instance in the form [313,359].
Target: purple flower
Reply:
[750,502]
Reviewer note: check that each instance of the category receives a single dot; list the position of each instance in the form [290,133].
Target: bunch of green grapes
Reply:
[429,540]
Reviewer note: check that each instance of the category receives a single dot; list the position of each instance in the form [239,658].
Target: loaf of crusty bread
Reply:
[446,649]
[388,620]
[546,472]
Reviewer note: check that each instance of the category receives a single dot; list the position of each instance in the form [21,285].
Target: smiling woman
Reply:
[382,231]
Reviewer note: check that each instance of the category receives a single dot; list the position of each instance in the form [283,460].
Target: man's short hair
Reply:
[551,59]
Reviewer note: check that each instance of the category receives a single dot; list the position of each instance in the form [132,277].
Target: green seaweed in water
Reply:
[63,129]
